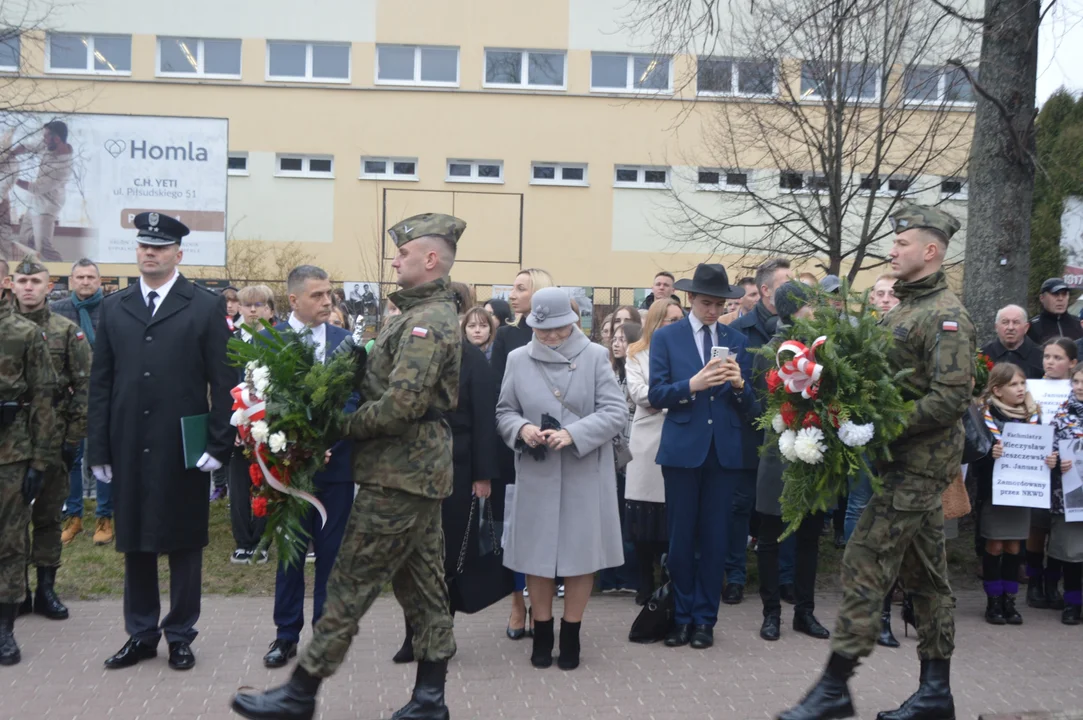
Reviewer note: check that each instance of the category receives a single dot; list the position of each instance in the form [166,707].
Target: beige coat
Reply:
[643,476]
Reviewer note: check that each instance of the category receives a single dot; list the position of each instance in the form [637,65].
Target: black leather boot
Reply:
[829,699]
[45,600]
[1036,594]
[427,702]
[1011,613]
[406,652]
[933,700]
[994,610]
[909,617]
[9,651]
[541,655]
[568,659]
[887,638]
[296,700]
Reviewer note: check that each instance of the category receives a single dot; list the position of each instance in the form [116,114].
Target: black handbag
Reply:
[482,580]
[979,441]
[656,618]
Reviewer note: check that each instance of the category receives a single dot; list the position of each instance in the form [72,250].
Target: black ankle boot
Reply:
[994,610]
[45,600]
[568,659]
[427,701]
[933,700]
[829,699]
[296,700]
[909,617]
[887,638]
[9,651]
[1036,594]
[541,655]
[406,652]
[1011,614]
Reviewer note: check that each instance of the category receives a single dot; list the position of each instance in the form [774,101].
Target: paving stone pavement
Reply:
[1006,669]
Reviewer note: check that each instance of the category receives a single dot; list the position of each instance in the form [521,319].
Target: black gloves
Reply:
[32,482]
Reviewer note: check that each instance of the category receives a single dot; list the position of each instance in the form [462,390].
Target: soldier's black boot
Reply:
[9,651]
[296,700]
[427,702]
[887,638]
[45,600]
[829,699]
[933,700]
[406,652]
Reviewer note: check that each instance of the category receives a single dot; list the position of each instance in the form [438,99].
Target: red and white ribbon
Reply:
[800,373]
[273,482]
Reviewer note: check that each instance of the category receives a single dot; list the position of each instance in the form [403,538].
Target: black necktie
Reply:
[152,297]
[707,344]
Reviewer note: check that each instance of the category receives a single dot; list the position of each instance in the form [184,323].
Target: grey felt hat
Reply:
[550,308]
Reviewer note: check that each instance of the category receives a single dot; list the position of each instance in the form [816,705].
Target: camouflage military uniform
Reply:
[27,380]
[404,466]
[901,532]
[70,353]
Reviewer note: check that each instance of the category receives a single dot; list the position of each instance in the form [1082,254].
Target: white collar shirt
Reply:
[162,291]
[697,331]
[318,336]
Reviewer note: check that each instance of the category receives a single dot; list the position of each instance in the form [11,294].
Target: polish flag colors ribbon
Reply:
[800,373]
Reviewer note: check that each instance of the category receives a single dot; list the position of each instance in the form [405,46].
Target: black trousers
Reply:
[142,603]
[804,571]
[247,529]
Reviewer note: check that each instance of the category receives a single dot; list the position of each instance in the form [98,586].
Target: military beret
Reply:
[30,266]
[448,227]
[159,229]
[910,217]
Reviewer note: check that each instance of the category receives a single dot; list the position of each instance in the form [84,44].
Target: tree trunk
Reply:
[1001,171]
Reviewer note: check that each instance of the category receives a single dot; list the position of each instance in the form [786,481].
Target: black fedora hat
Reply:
[710,279]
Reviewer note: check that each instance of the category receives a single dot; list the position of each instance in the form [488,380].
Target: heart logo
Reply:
[115,147]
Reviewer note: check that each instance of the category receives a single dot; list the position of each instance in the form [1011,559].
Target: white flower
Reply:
[856,435]
[250,366]
[777,423]
[809,446]
[261,383]
[786,445]
[260,431]
[238,419]
[277,442]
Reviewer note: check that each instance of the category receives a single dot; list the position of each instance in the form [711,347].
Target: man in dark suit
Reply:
[161,343]
[708,446]
[1012,344]
[309,290]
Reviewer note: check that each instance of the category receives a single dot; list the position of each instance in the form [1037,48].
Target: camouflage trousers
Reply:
[396,536]
[46,517]
[889,543]
[14,516]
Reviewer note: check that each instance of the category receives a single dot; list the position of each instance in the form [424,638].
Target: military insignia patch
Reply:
[420,332]
[950,326]
[153,219]
[79,335]
[901,333]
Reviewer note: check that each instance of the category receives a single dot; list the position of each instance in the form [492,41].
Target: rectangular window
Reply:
[416,65]
[475,171]
[388,168]
[856,81]
[641,176]
[954,188]
[308,62]
[796,182]
[97,54]
[552,173]
[196,57]
[316,166]
[9,52]
[720,179]
[899,185]
[727,76]
[524,68]
[935,85]
[870,183]
[237,163]
[630,73]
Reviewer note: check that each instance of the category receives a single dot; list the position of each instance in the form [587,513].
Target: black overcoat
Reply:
[147,374]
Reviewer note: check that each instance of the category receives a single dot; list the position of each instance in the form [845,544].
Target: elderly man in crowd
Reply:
[1013,344]
[1054,321]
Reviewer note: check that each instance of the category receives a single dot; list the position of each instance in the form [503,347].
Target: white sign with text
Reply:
[1072,481]
[1020,476]
[1050,395]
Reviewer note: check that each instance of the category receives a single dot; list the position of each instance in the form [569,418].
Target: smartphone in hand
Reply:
[720,352]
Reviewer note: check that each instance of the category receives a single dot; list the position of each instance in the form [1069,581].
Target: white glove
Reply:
[208,463]
[103,473]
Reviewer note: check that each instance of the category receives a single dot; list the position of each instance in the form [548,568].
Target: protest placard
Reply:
[1072,481]
[1020,476]
[1050,395]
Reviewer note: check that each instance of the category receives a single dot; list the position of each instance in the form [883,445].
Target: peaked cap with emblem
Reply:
[448,227]
[910,217]
[159,229]
[30,266]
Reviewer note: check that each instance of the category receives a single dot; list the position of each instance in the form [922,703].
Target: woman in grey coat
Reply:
[565,520]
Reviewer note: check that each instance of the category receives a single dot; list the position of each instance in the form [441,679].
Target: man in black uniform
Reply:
[1054,321]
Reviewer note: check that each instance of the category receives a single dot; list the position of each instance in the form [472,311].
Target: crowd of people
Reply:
[622,459]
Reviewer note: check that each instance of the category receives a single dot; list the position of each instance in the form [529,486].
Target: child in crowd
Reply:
[1066,538]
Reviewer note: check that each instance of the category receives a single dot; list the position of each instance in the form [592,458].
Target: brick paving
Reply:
[996,670]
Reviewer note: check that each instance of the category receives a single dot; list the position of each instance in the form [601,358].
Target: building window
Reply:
[308,62]
[317,166]
[899,185]
[727,76]
[859,82]
[552,173]
[935,85]
[98,54]
[414,65]
[9,53]
[641,176]
[475,171]
[720,179]
[796,182]
[195,57]
[237,163]
[524,68]
[954,188]
[630,73]
[388,168]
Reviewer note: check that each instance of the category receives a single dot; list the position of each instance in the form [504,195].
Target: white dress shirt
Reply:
[162,291]
[318,336]
[697,331]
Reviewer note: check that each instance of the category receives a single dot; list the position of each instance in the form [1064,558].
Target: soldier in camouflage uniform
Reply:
[27,382]
[70,353]
[403,464]
[901,532]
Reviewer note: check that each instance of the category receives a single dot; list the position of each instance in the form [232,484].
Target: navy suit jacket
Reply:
[719,414]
